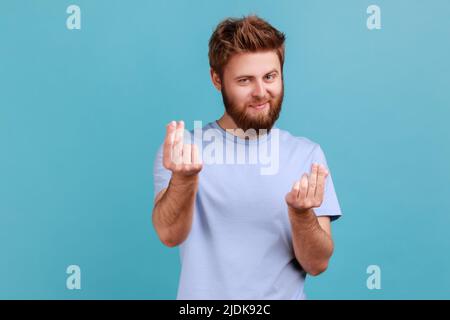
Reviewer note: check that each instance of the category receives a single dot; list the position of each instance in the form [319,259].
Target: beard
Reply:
[259,120]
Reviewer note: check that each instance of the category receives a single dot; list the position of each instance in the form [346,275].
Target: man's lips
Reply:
[260,106]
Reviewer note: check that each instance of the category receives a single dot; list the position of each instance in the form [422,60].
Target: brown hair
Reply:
[247,34]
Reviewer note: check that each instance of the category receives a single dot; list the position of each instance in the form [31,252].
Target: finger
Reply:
[320,189]
[195,155]
[292,196]
[296,188]
[178,143]
[312,181]
[168,143]
[187,154]
[303,187]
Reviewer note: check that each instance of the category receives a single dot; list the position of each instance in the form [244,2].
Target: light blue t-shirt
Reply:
[240,245]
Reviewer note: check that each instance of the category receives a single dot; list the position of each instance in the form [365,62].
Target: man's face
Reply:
[252,89]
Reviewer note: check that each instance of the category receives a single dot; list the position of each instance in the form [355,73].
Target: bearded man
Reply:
[244,234]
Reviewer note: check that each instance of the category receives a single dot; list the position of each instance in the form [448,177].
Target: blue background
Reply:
[82,113]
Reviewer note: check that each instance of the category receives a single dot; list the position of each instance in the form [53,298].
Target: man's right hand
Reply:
[174,206]
[182,159]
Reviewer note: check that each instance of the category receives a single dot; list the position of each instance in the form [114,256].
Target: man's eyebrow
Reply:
[250,76]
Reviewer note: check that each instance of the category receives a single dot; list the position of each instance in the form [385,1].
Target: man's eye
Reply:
[242,80]
[270,76]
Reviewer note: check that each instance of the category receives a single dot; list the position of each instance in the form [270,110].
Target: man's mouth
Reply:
[260,106]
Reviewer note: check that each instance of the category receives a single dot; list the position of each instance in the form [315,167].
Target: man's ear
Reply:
[215,79]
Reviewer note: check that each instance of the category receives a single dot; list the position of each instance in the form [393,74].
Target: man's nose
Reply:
[259,91]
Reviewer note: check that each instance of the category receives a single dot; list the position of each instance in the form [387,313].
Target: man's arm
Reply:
[313,246]
[174,205]
[311,235]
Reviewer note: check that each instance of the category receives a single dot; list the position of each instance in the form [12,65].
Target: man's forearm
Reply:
[173,212]
[313,247]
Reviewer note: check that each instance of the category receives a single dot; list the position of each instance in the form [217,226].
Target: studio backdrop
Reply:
[87,87]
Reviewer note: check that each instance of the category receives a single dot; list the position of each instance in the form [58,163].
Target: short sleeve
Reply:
[330,205]
[161,176]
